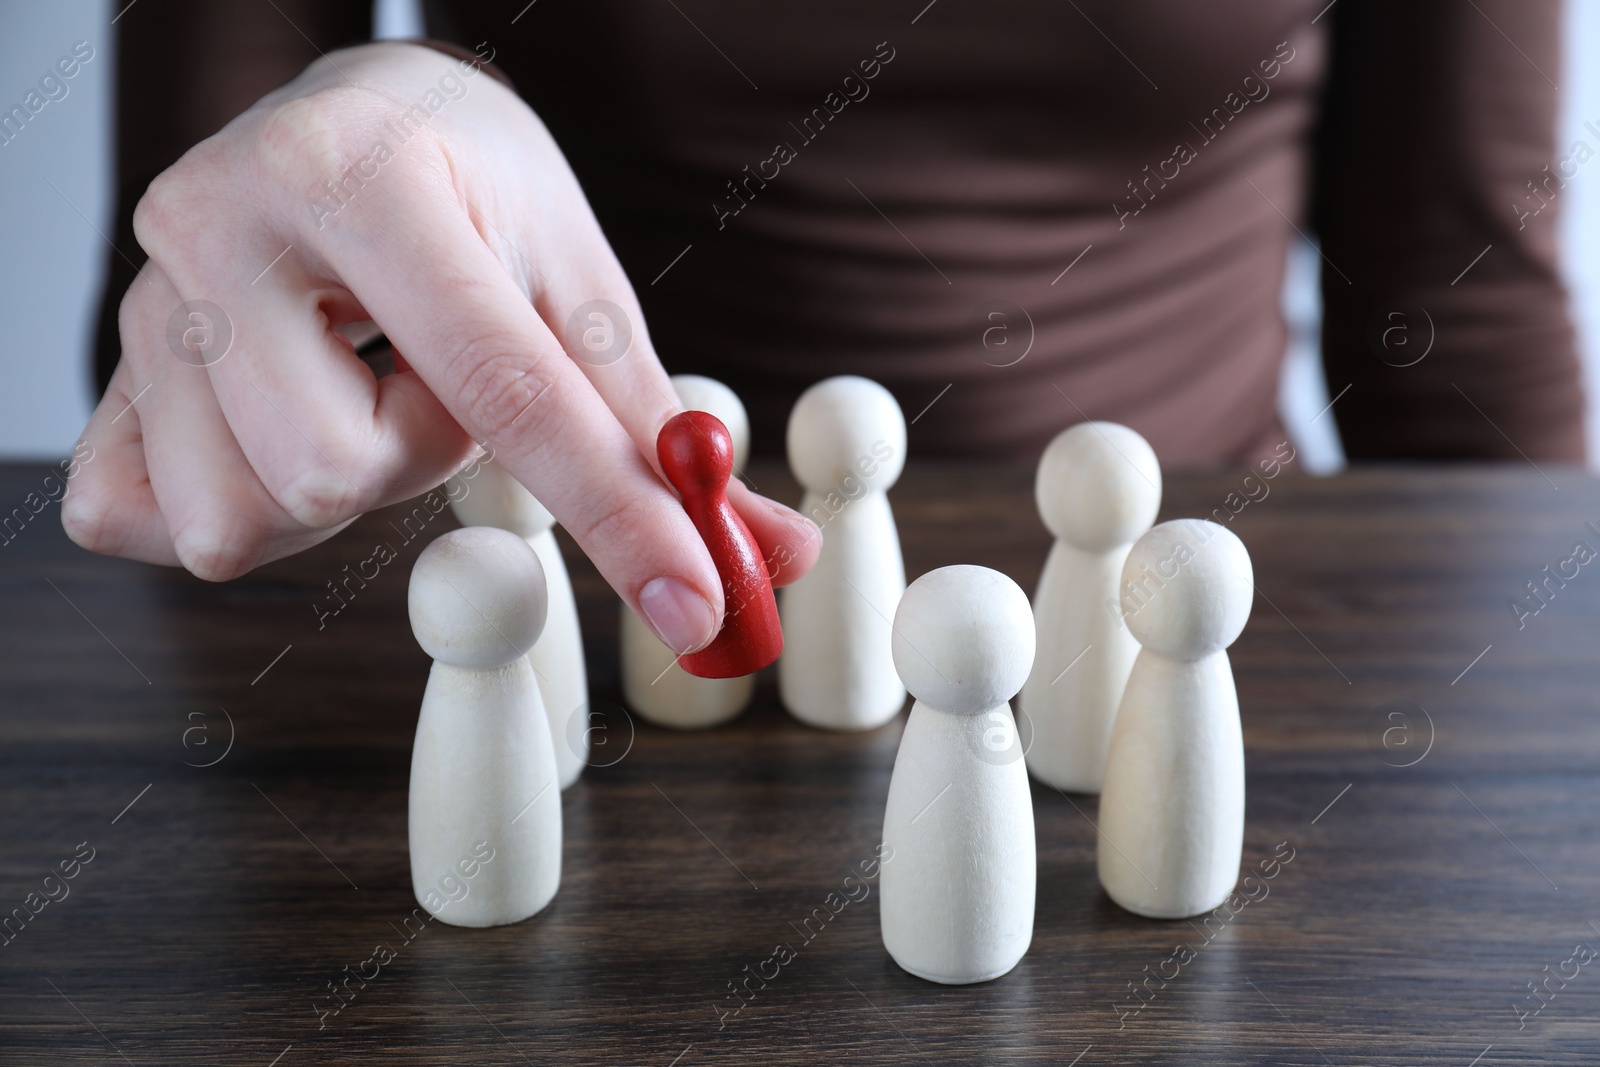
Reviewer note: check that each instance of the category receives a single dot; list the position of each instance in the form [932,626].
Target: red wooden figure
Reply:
[697,457]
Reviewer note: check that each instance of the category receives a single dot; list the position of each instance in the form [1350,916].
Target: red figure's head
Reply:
[696,452]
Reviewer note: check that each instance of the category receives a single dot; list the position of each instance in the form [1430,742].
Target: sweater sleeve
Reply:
[1438,188]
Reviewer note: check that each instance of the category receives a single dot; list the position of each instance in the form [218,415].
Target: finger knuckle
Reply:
[92,519]
[165,219]
[305,137]
[137,317]
[217,547]
[501,386]
[615,522]
[327,146]
[128,315]
[319,498]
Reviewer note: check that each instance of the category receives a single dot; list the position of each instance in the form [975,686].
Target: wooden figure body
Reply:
[959,875]
[847,446]
[1172,807]
[1098,488]
[483,768]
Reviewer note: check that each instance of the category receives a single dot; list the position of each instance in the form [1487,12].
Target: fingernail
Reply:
[680,616]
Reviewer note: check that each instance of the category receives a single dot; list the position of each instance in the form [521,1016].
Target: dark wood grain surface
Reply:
[1419,904]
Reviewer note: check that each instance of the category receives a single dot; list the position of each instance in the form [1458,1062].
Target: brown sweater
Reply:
[1020,214]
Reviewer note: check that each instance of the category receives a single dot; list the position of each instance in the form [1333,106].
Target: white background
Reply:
[54,209]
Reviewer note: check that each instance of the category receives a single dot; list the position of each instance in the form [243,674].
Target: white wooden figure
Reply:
[1098,489]
[483,767]
[492,497]
[1172,807]
[653,683]
[958,882]
[847,445]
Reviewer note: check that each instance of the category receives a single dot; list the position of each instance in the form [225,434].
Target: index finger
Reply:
[477,342]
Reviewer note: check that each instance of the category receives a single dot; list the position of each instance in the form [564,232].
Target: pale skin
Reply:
[470,248]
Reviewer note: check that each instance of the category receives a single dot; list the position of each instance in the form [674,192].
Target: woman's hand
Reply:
[389,183]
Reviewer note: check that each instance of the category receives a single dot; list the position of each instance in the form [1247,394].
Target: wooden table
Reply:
[1420,901]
